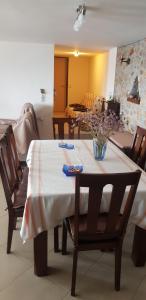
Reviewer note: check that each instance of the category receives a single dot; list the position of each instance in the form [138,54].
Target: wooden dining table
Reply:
[50,194]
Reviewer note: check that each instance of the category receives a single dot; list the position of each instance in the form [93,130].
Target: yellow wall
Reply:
[98,74]
[87,77]
[78,78]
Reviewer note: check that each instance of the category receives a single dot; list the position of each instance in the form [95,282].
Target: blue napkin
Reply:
[72,170]
[66,146]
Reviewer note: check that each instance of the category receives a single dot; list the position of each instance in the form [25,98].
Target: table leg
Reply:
[40,254]
[139,247]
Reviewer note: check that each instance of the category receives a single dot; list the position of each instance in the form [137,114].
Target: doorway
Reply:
[60,83]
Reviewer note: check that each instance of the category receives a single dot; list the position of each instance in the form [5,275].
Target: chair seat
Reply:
[101,226]
[122,140]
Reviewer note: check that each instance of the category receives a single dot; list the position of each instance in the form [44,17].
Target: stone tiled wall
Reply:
[134,114]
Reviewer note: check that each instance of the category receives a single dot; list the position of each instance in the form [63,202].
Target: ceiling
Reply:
[109,23]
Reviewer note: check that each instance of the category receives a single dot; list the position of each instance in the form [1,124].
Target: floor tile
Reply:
[61,267]
[11,267]
[141,291]
[27,286]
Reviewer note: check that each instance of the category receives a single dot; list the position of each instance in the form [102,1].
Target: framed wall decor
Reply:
[134,94]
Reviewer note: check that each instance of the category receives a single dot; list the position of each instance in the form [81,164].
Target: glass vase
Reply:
[99,150]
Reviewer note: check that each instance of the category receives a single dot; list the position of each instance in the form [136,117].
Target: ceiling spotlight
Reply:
[81,12]
[76,53]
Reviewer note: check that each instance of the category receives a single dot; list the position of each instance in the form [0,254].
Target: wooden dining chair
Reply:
[59,133]
[20,166]
[138,150]
[59,126]
[7,131]
[96,230]
[15,188]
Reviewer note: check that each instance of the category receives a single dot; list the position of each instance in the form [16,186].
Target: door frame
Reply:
[67,64]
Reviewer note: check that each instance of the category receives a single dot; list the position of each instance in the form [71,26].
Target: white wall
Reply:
[112,55]
[24,69]
[102,73]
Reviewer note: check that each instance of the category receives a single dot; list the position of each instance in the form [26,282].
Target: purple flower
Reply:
[101,124]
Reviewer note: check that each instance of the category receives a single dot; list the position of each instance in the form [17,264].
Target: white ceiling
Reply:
[108,23]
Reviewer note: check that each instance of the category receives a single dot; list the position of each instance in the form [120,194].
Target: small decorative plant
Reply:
[101,125]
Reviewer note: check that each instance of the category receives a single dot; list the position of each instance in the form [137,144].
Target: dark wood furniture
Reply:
[20,166]
[97,230]
[59,126]
[138,150]
[139,247]
[14,182]
[133,146]
[113,106]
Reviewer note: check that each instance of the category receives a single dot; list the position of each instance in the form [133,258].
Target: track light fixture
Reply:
[81,12]
[126,60]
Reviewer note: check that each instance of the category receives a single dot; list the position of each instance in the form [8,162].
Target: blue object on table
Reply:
[70,146]
[66,146]
[62,145]
[72,170]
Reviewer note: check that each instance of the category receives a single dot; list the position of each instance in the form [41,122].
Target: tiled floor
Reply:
[95,278]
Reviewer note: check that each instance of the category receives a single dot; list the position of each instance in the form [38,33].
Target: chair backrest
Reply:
[7,170]
[59,126]
[13,151]
[138,151]
[8,132]
[116,221]
[28,107]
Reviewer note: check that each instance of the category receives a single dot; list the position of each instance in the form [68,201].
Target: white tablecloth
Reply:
[50,195]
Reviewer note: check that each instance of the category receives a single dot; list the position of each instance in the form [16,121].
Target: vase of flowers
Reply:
[99,150]
[101,125]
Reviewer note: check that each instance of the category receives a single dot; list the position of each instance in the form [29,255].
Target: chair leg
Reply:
[10,233]
[15,222]
[74,272]
[56,239]
[64,239]
[118,256]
